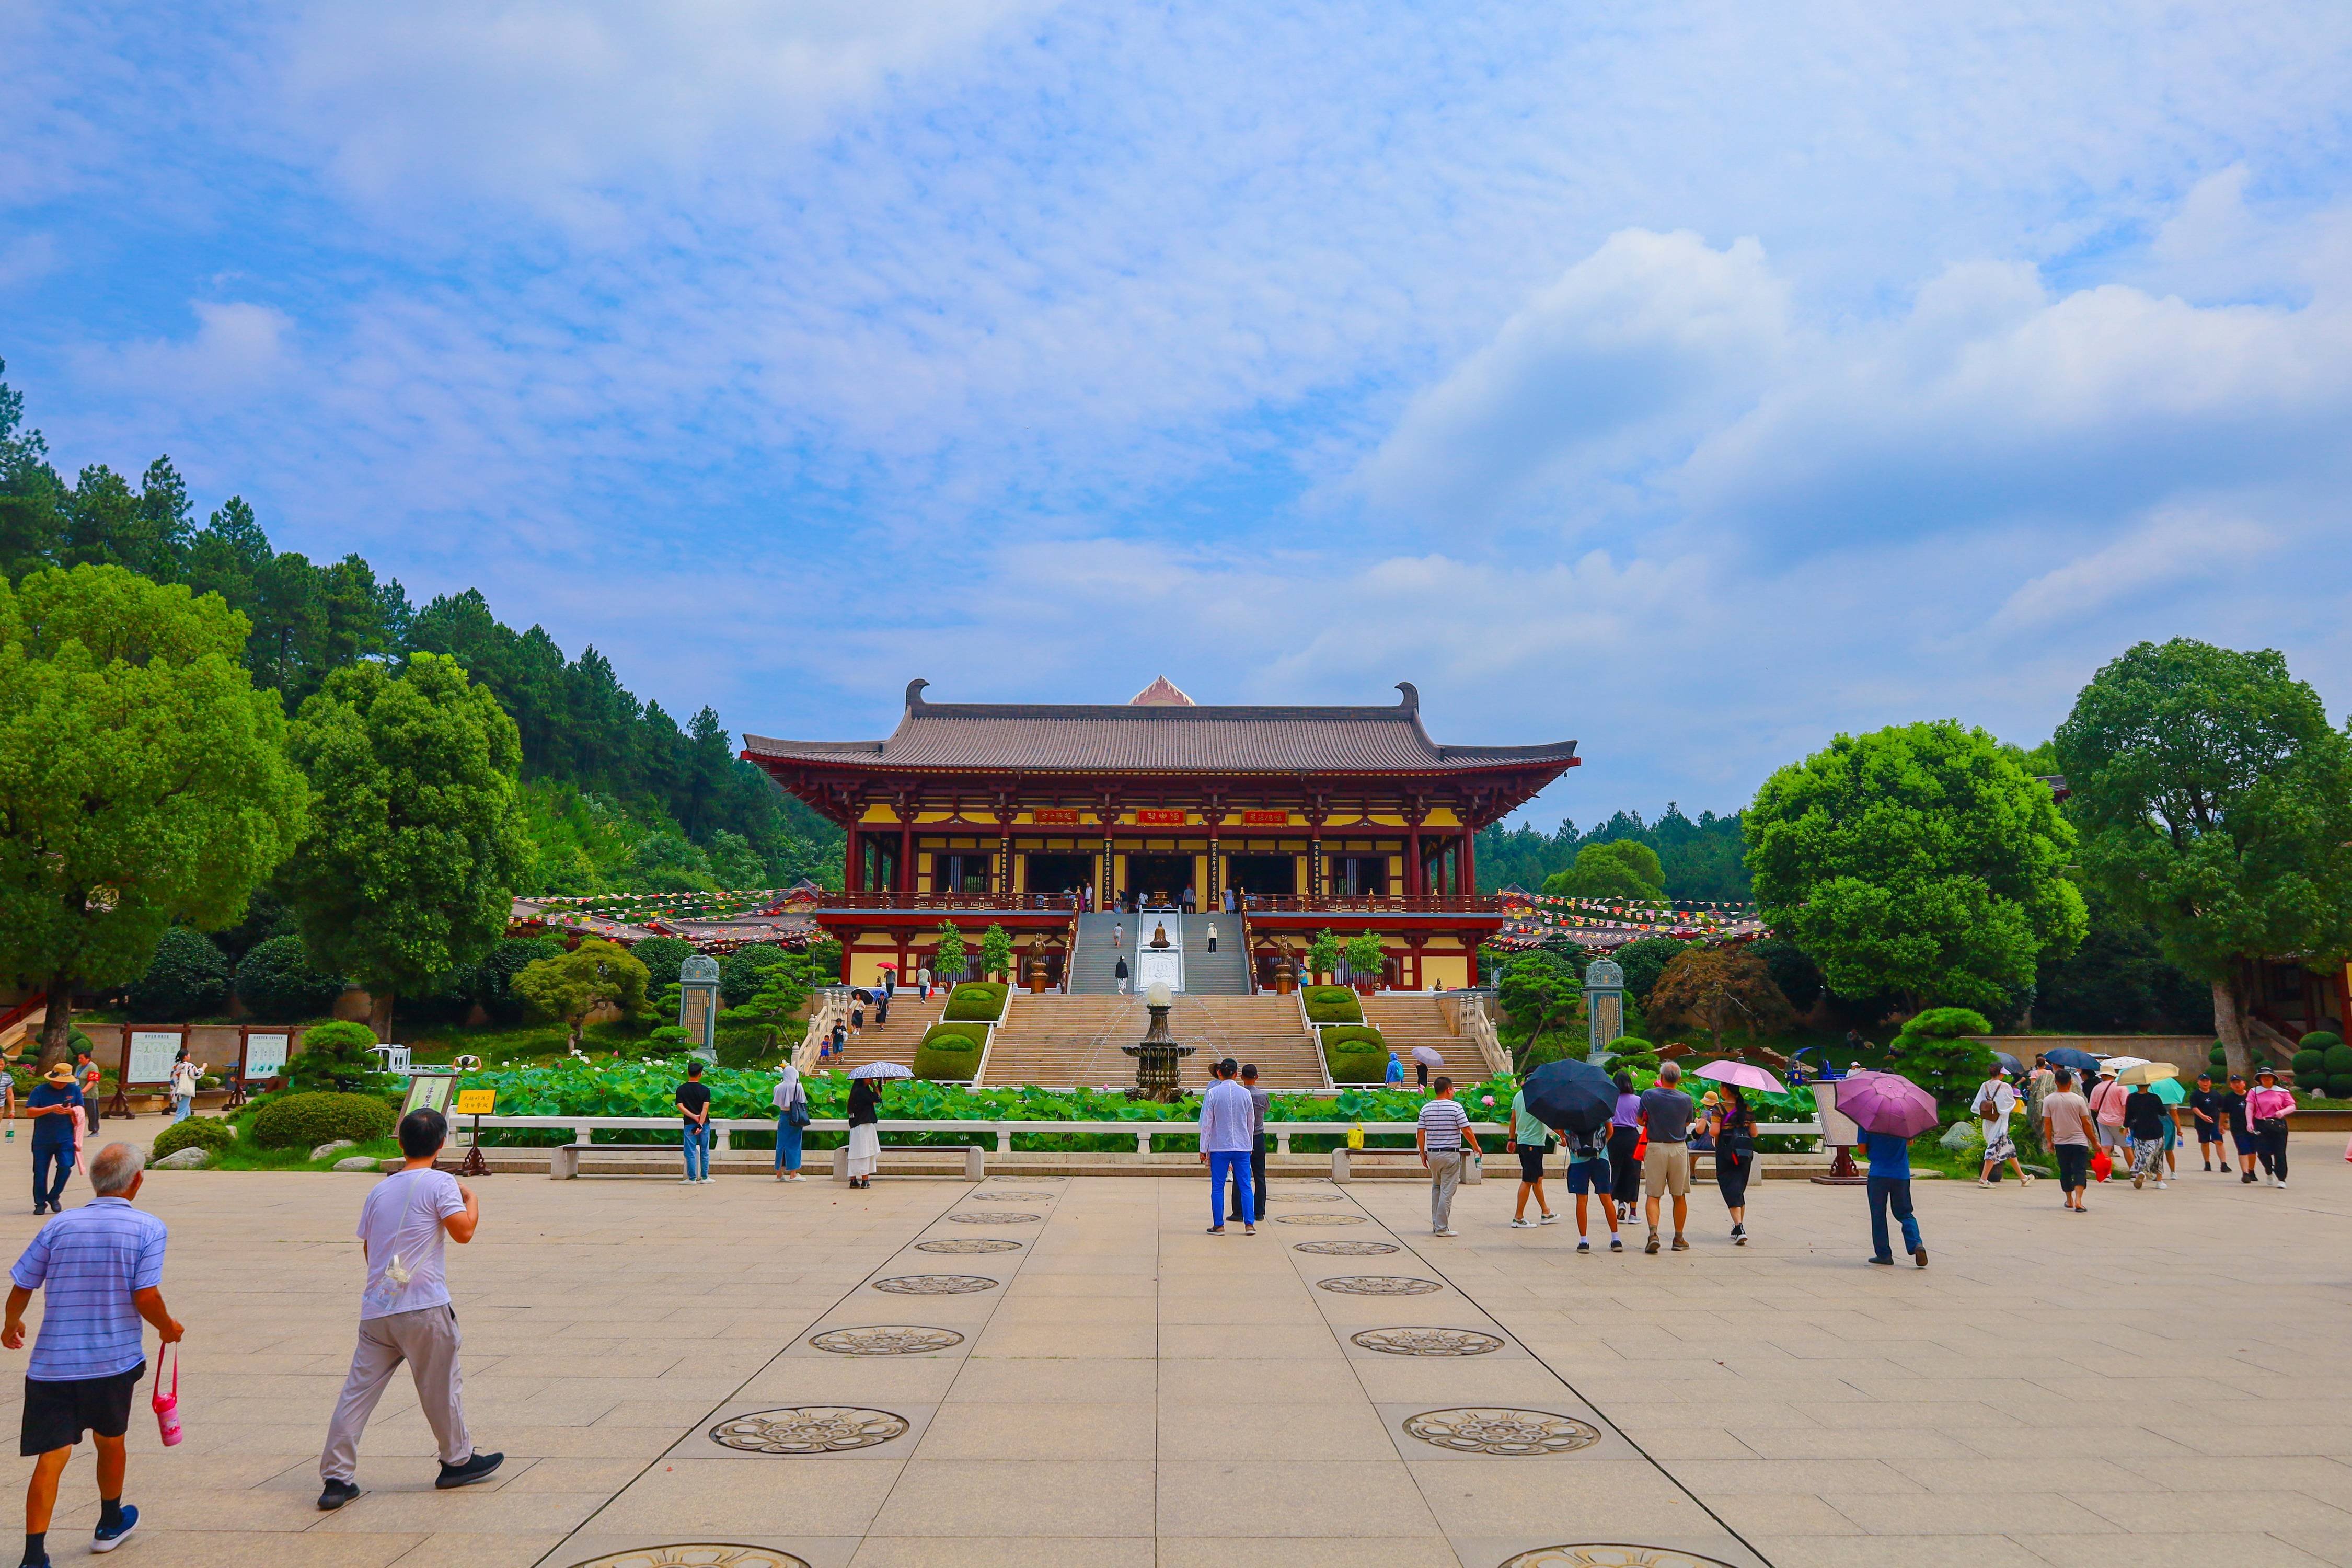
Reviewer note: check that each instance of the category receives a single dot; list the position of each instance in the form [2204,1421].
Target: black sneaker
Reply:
[336,1495]
[476,1467]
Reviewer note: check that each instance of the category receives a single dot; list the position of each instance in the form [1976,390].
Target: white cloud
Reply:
[238,350]
[2178,545]
[1626,347]
[559,105]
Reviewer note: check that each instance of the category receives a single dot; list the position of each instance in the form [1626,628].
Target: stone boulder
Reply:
[185,1160]
[337,1147]
[358,1162]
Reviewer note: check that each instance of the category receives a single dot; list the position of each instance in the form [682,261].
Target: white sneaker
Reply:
[1516,1225]
[2280,1183]
[1446,1233]
[1548,1219]
[2161,1187]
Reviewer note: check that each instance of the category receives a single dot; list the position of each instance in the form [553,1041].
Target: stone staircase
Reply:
[911,1018]
[1058,1042]
[1224,972]
[1408,1019]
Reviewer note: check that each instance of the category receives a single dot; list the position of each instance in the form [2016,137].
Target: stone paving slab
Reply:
[2158,1382]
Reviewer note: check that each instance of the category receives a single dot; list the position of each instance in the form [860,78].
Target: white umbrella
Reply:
[881,1069]
[1428,1054]
[2116,1065]
[2147,1072]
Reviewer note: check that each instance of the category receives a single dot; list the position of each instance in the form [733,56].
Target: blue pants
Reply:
[788,1145]
[697,1152]
[1895,1191]
[1231,1165]
[45,1191]
[182,1107]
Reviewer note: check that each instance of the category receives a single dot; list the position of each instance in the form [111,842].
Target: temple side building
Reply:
[1287,819]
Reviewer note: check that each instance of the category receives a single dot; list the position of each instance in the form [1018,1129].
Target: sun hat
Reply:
[61,1073]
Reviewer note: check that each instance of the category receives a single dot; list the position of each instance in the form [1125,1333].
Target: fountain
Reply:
[1156,1057]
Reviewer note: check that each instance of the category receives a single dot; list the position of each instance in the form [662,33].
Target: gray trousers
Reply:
[428,1340]
[1444,1175]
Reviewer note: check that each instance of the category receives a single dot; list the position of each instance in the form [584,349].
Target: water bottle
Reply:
[167,1405]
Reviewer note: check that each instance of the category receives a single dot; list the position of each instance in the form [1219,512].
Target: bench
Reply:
[1474,1172]
[975,1159]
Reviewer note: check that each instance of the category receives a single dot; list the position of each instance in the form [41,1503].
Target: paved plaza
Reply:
[2160,1382]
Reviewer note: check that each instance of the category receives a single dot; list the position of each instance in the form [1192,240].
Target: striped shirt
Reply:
[1443,1121]
[91,1259]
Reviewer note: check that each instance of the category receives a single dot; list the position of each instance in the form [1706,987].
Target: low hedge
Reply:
[1332,1005]
[950,1053]
[1354,1053]
[981,1001]
[197,1132]
[306,1121]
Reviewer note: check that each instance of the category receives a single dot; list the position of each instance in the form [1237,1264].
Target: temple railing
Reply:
[1001,903]
[1372,904]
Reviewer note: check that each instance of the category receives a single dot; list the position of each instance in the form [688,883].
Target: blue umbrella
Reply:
[2070,1057]
[2016,1068]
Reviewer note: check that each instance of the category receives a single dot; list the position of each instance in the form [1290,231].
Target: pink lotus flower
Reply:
[1485,1100]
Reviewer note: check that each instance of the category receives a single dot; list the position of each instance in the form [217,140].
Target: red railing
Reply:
[1002,903]
[1372,904]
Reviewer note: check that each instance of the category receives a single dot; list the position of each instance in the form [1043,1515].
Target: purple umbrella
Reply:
[1742,1074]
[1886,1102]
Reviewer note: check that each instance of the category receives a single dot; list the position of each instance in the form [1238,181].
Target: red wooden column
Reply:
[1469,861]
[853,865]
[906,849]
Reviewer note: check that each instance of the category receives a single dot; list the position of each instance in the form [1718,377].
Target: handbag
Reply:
[167,1405]
[796,1114]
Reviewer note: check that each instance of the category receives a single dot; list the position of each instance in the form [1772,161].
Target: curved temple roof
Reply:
[1157,737]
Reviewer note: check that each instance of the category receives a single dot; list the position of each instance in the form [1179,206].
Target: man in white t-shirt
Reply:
[405,1315]
[1994,1104]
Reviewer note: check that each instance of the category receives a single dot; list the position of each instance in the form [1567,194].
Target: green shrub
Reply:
[2320,1040]
[279,984]
[306,1121]
[339,1056]
[976,1000]
[2219,1055]
[1644,961]
[1354,1053]
[2338,1059]
[196,1132]
[2339,1086]
[1333,1004]
[1630,1051]
[2310,1064]
[662,956]
[187,978]
[950,1053]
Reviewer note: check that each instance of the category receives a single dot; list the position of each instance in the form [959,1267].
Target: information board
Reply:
[478,1101]
[264,1055]
[149,1061]
[429,1091]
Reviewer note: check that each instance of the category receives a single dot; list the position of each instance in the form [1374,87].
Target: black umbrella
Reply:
[1573,1097]
[2069,1056]
[2016,1068]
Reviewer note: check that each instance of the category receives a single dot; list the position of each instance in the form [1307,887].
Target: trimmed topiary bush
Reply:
[1354,1053]
[950,1053]
[979,1000]
[279,984]
[339,1056]
[196,1132]
[2219,1055]
[2337,1059]
[306,1121]
[2309,1063]
[1332,1005]
[187,978]
[2339,1086]
[1630,1051]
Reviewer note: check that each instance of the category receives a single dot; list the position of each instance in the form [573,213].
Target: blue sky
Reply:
[1695,381]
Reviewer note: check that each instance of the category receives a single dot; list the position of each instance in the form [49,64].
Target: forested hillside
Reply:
[1702,859]
[619,796]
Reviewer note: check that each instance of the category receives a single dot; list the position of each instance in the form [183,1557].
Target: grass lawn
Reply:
[245,1156]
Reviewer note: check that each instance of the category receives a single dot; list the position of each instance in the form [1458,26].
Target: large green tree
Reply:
[142,779]
[1620,869]
[416,842]
[1920,860]
[2215,802]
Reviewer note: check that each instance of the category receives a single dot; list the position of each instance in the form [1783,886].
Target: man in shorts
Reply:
[2069,1133]
[101,1269]
[2205,1110]
[1588,1175]
[2233,1107]
[1667,1113]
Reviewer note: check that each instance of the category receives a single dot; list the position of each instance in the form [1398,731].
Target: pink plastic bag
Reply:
[167,1405]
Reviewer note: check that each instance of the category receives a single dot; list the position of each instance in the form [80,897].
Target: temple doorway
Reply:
[963,873]
[1263,875]
[1360,876]
[1058,874]
[1159,878]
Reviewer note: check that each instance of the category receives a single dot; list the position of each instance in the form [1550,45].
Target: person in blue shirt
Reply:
[1890,1187]
[53,1105]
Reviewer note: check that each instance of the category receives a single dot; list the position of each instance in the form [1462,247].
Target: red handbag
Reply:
[2101,1165]
[167,1405]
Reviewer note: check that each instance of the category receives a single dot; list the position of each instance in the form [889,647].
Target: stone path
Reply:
[2162,1381]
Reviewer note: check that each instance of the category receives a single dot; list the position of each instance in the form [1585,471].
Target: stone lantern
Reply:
[1157,1055]
[1605,1007]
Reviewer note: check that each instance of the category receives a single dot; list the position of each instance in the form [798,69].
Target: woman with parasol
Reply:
[1731,1122]
[865,1118]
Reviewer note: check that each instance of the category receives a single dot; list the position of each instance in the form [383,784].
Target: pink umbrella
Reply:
[1886,1102]
[1742,1074]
